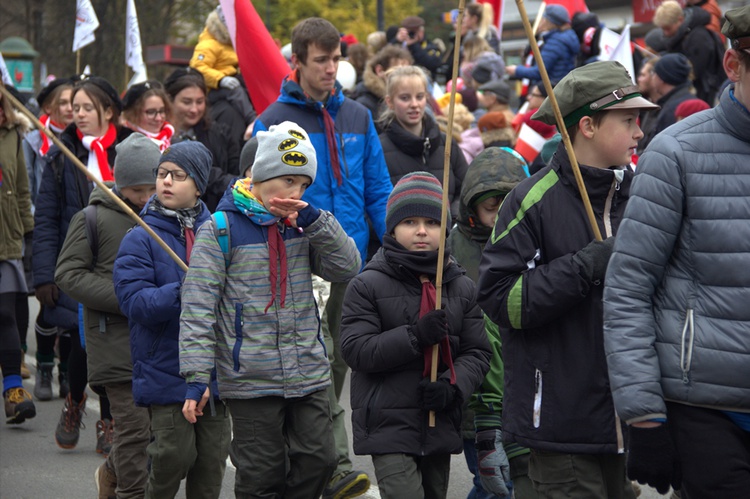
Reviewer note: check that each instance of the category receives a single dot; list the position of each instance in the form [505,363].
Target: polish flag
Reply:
[529,143]
[261,62]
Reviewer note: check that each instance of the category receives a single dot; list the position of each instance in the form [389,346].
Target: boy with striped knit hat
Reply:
[388,329]
[248,311]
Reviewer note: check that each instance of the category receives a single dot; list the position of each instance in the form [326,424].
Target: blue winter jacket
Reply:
[366,182]
[147,284]
[558,53]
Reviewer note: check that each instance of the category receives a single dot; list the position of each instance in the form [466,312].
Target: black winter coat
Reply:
[381,305]
[406,153]
[226,153]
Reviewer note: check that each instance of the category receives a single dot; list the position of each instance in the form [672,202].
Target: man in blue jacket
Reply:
[352,183]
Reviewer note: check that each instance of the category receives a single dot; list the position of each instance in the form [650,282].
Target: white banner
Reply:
[133,49]
[86,24]
[623,54]
[4,72]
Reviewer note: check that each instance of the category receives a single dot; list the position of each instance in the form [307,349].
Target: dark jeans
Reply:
[714,452]
[282,447]
[10,341]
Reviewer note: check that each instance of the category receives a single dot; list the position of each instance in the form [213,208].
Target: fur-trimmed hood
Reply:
[374,83]
[217,29]
[21,122]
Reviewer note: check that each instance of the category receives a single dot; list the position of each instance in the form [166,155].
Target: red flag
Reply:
[572,6]
[529,143]
[497,12]
[260,58]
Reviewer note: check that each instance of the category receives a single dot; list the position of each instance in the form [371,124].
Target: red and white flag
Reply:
[261,62]
[529,143]
[86,24]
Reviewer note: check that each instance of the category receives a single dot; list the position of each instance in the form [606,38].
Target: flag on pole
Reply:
[86,24]
[497,11]
[529,143]
[623,54]
[133,49]
[257,52]
[4,72]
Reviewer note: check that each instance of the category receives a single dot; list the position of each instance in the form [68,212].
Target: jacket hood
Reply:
[99,197]
[22,124]
[694,18]
[373,83]
[494,169]
[226,203]
[292,93]
[216,29]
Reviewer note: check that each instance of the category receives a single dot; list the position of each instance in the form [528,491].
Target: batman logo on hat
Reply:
[294,159]
[287,144]
[297,135]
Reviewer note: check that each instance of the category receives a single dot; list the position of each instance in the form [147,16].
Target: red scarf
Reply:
[276,255]
[189,240]
[426,305]
[47,122]
[99,146]
[163,139]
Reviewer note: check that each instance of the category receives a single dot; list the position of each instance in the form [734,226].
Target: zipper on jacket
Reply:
[608,204]
[686,347]
[537,398]
[343,153]
[426,151]
[238,323]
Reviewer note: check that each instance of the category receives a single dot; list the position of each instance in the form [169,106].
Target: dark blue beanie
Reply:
[194,158]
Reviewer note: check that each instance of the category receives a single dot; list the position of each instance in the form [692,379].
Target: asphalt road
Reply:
[32,466]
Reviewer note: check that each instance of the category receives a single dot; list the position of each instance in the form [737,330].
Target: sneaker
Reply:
[70,424]
[347,484]
[25,373]
[18,406]
[104,433]
[62,379]
[43,382]
[106,482]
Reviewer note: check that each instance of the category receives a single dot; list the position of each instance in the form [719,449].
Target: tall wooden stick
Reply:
[77,162]
[78,62]
[446,180]
[560,121]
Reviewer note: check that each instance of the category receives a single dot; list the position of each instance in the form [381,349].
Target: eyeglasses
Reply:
[177,175]
[151,113]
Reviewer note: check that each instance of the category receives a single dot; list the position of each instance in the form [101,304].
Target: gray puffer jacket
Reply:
[677,295]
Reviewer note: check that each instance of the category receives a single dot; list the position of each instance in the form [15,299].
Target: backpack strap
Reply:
[223,235]
[92,233]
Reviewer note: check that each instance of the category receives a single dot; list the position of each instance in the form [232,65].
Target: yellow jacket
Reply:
[214,55]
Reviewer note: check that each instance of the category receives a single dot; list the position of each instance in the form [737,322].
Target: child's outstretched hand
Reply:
[286,208]
[192,409]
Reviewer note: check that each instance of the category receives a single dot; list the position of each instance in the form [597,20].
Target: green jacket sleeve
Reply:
[487,402]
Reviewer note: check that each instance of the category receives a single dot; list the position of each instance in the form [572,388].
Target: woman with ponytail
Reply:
[145,109]
[64,191]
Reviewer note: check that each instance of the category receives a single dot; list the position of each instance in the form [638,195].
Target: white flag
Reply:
[133,49]
[86,24]
[622,53]
[4,73]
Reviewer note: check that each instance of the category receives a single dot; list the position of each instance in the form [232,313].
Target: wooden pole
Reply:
[560,121]
[446,180]
[99,183]
[78,62]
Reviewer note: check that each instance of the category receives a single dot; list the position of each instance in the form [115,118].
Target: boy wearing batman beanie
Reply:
[248,311]
[389,327]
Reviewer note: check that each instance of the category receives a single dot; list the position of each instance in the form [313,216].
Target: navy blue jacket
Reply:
[147,284]
[559,55]
[64,191]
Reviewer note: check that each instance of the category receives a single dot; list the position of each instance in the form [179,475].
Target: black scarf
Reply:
[417,262]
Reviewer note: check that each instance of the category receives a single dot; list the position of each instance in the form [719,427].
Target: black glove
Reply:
[431,328]
[652,458]
[593,259]
[436,395]
[47,294]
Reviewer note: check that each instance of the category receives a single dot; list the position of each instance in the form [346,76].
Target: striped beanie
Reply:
[417,194]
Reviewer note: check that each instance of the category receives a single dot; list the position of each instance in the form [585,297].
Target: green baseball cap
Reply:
[599,86]
[737,27]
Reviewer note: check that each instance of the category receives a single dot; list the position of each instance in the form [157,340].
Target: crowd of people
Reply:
[568,365]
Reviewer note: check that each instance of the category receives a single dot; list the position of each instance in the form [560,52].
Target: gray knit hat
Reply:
[194,158]
[285,149]
[247,155]
[137,156]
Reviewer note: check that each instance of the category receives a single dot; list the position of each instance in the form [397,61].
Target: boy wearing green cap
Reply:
[540,280]
[676,295]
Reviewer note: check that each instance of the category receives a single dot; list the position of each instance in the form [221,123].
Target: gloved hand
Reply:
[431,328]
[229,82]
[652,458]
[593,259]
[494,469]
[47,294]
[436,395]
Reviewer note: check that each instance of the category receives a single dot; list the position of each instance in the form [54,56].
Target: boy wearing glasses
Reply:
[147,284]
[249,309]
